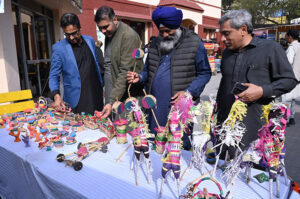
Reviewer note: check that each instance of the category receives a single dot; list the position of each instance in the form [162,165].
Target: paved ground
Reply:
[292,159]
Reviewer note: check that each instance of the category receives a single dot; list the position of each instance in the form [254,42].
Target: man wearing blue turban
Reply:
[176,62]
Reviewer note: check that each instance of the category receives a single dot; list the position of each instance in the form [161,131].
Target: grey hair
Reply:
[238,18]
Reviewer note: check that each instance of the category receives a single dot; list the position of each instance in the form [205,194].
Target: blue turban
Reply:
[170,17]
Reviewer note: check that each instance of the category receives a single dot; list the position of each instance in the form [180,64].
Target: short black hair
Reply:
[293,33]
[104,12]
[69,19]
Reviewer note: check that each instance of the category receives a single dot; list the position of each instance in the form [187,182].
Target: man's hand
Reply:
[251,94]
[106,110]
[132,77]
[59,104]
[177,97]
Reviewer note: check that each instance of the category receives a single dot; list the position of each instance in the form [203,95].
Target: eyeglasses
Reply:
[71,34]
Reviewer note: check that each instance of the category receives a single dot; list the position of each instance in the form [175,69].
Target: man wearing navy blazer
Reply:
[75,57]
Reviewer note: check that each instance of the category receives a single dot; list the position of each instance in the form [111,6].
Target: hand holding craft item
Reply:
[136,54]
[139,134]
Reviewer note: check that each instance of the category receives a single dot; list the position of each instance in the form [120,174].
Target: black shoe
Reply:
[292,121]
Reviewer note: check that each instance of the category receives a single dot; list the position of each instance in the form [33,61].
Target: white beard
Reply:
[166,45]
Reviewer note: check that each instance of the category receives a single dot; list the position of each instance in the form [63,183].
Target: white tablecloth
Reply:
[33,173]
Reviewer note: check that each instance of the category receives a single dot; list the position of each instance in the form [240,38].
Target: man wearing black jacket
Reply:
[259,64]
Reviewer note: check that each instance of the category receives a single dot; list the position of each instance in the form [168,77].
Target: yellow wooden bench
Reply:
[15,106]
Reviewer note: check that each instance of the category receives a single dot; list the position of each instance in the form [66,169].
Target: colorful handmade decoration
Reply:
[105,124]
[118,107]
[121,131]
[17,136]
[192,192]
[2,122]
[139,134]
[232,130]
[30,118]
[43,129]
[138,53]
[57,141]
[202,133]
[25,139]
[160,140]
[149,102]
[129,103]
[90,124]
[71,138]
[84,150]
[268,151]
[179,118]
[44,143]
[171,156]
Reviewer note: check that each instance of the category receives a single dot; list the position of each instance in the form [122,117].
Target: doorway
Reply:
[34,34]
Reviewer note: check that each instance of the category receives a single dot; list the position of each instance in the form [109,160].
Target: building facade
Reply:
[28,30]
[200,16]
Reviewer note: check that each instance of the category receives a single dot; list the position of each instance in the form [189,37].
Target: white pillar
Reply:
[9,72]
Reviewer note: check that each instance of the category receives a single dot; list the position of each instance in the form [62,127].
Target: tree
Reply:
[226,4]
[262,10]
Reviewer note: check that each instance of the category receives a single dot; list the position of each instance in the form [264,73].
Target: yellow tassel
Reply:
[266,110]
[237,112]
[208,110]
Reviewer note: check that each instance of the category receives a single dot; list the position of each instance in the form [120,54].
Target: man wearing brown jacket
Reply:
[120,41]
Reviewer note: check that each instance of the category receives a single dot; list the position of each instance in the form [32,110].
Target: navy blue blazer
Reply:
[63,61]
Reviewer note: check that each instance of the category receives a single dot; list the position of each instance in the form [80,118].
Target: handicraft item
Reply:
[139,134]
[179,117]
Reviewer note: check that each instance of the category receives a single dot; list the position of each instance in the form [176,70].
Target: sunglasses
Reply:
[71,34]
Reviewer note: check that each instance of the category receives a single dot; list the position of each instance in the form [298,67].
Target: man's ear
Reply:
[244,29]
[115,20]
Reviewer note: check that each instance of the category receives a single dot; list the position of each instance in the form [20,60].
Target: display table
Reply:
[34,173]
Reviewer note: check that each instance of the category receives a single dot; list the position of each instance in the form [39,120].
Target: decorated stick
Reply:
[136,54]
[158,126]
[123,152]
